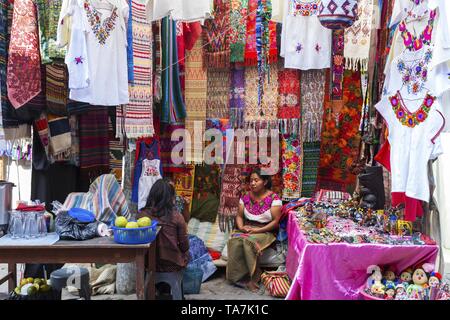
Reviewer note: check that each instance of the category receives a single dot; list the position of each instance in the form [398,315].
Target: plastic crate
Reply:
[135,235]
[192,280]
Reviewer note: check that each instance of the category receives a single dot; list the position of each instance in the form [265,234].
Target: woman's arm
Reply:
[240,219]
[273,225]
[186,212]
[183,238]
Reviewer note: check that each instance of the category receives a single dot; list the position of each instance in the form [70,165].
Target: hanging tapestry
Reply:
[288,99]
[205,202]
[292,154]
[341,137]
[116,149]
[196,97]
[157,63]
[337,65]
[57,89]
[237,96]
[311,158]
[167,145]
[24,61]
[184,183]
[238,28]
[217,36]
[130,40]
[173,109]
[312,98]
[181,49]
[94,146]
[4,44]
[266,113]
[60,136]
[222,125]
[136,118]
[48,17]
[218,93]
[75,138]
[357,38]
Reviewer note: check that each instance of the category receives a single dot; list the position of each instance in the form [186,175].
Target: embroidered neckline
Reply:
[407,118]
[412,42]
[258,207]
[415,75]
[305,7]
[102,30]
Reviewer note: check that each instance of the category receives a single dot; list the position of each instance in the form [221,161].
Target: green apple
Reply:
[144,222]
[132,225]
[121,222]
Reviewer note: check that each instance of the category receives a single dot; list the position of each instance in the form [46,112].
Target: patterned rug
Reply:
[311,158]
[289,110]
[166,147]
[341,137]
[312,98]
[217,39]
[237,96]
[218,93]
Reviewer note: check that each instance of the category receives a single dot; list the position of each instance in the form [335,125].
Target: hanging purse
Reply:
[338,14]
[277,283]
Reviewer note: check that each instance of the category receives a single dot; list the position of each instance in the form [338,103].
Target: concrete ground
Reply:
[215,288]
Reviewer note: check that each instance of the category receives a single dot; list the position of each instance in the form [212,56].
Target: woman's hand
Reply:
[254,230]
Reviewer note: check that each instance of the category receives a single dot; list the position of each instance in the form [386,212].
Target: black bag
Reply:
[69,228]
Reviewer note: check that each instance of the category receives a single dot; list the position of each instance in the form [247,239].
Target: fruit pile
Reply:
[122,222]
[32,287]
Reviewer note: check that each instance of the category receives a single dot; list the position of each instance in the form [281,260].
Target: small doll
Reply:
[420,281]
[378,289]
[400,292]
[389,275]
[389,293]
[435,279]
[406,276]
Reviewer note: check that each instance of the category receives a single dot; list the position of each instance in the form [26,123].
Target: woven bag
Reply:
[277,283]
[338,14]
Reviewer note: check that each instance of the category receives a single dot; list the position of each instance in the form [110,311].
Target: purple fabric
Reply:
[337,271]
[237,96]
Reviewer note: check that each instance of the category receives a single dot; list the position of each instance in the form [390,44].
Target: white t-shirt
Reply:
[411,148]
[179,10]
[150,174]
[305,43]
[97,55]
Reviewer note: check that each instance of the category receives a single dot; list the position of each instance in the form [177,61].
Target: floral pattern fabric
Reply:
[238,22]
[258,208]
[291,149]
[102,30]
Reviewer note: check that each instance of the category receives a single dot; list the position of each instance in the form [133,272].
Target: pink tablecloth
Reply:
[336,271]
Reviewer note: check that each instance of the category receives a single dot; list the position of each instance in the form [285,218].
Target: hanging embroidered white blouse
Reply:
[97,55]
[414,136]
[179,10]
[150,174]
[305,43]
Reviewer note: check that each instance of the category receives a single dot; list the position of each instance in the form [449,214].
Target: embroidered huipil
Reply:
[97,54]
[260,212]
[305,43]
[414,128]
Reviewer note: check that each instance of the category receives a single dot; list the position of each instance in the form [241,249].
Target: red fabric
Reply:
[215,255]
[413,207]
[192,31]
[384,156]
[24,207]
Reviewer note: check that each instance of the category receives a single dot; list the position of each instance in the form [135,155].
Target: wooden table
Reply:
[99,250]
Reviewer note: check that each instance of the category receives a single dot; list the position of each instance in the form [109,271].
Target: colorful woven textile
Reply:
[167,146]
[116,151]
[94,145]
[289,110]
[312,98]
[311,158]
[292,156]
[266,114]
[75,137]
[341,137]
[237,96]
[60,136]
[48,17]
[24,70]
[205,203]
[217,36]
[105,199]
[57,89]
[218,93]
[157,75]
[184,183]
[130,40]
[196,97]
[4,44]
[136,119]
[41,127]
[337,64]
[173,109]
[238,25]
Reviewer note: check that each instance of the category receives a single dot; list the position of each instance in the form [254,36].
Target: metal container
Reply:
[5,201]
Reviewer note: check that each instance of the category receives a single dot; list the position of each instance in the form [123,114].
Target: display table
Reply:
[99,250]
[336,271]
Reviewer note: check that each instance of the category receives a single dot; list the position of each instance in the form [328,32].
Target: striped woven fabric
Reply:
[105,199]
[196,88]
[311,156]
[136,118]
[57,88]
[115,152]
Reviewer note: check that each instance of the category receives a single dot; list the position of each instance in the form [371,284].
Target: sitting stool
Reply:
[174,280]
[64,277]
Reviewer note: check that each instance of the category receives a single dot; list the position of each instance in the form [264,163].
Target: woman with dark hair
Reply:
[172,243]
[257,223]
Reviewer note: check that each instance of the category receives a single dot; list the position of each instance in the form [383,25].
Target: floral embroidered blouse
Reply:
[260,211]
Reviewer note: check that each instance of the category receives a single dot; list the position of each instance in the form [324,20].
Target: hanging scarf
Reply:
[289,110]
[173,108]
[57,90]
[130,59]
[136,118]
[238,24]
[341,137]
[94,146]
[196,99]
[184,183]
[48,18]
[157,65]
[237,96]
[291,153]
[60,137]
[24,70]
[357,38]
[167,146]
[337,64]
[312,98]
[217,30]
[116,150]
[218,94]
[311,158]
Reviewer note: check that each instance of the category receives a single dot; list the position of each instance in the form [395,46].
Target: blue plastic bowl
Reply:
[136,235]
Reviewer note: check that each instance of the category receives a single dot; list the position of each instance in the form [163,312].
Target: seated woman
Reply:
[257,223]
[172,243]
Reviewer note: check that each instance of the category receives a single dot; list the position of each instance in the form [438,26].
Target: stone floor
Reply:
[215,288]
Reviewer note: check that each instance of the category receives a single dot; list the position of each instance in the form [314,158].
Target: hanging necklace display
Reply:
[414,43]
[415,73]
[407,118]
